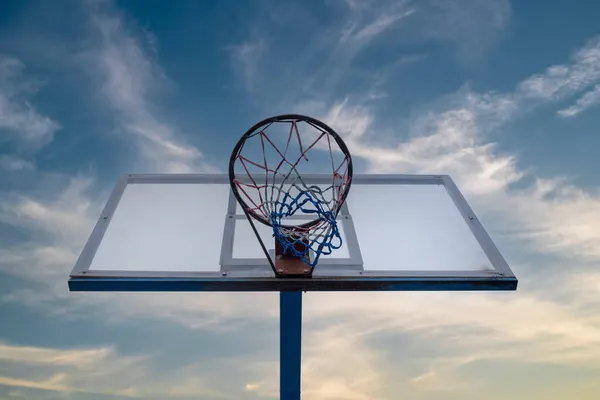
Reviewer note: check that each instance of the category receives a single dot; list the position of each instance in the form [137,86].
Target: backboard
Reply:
[186,232]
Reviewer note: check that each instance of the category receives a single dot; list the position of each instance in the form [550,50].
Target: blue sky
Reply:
[504,97]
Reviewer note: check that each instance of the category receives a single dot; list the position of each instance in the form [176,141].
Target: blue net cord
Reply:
[322,238]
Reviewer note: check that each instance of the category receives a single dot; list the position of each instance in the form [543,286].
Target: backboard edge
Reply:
[479,232]
[260,285]
[88,252]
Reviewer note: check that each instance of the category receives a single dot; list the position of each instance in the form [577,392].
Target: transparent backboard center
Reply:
[187,226]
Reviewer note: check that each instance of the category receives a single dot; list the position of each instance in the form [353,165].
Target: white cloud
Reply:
[58,219]
[363,25]
[94,370]
[247,58]
[323,55]
[586,101]
[360,31]
[18,117]
[471,26]
[206,311]
[52,383]
[106,371]
[559,81]
[587,287]
[340,364]
[82,358]
[14,163]
[375,327]
[519,319]
[63,217]
[129,76]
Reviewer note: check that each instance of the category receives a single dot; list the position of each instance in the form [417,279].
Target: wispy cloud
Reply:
[471,26]
[12,162]
[63,216]
[18,117]
[556,83]
[332,371]
[375,27]
[247,57]
[57,219]
[527,323]
[53,383]
[379,88]
[562,80]
[586,101]
[323,61]
[82,358]
[322,58]
[365,24]
[106,371]
[95,370]
[129,77]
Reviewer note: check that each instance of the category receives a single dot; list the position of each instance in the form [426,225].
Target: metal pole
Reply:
[290,344]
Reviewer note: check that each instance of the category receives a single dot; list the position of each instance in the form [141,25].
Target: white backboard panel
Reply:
[165,227]
[185,232]
[413,227]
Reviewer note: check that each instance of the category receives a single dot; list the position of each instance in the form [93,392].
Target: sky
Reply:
[504,97]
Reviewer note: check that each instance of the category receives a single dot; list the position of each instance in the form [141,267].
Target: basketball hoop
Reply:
[265,172]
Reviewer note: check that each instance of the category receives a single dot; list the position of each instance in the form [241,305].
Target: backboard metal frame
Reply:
[251,275]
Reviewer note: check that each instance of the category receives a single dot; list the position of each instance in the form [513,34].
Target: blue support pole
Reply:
[290,344]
